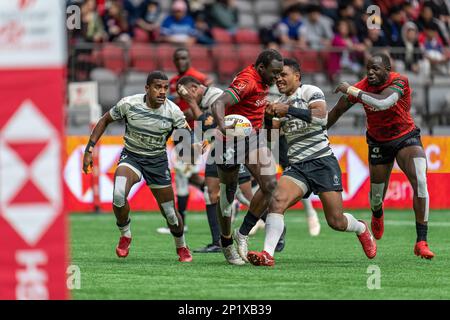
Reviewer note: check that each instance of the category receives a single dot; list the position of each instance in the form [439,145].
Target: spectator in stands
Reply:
[412,54]
[134,10]
[179,27]
[375,36]
[316,31]
[289,3]
[150,19]
[411,10]
[330,8]
[224,14]
[433,47]
[287,31]
[346,11]
[116,23]
[350,54]
[204,35]
[92,29]
[392,26]
[427,17]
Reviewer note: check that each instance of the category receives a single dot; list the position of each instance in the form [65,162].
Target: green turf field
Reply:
[330,266]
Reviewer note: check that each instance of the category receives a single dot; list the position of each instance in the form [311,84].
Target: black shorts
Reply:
[317,175]
[236,151]
[211,170]
[385,152]
[155,170]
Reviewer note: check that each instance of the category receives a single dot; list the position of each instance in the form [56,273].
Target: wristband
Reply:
[353,91]
[90,146]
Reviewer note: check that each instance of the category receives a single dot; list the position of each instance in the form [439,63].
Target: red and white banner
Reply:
[33,241]
[350,151]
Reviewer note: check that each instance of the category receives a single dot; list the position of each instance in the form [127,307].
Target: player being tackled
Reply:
[391,135]
[313,167]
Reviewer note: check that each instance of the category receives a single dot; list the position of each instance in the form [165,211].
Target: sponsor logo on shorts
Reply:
[123,157]
[336,180]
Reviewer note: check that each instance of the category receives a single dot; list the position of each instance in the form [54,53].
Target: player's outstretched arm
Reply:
[218,111]
[382,101]
[338,110]
[98,131]
[315,114]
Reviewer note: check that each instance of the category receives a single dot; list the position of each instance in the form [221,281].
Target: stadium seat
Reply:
[246,20]
[221,35]
[244,6]
[248,54]
[143,57]
[201,58]
[247,36]
[165,54]
[310,61]
[108,87]
[113,57]
[267,6]
[227,64]
[267,20]
[140,36]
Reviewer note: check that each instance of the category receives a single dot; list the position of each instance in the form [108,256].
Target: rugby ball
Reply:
[243,126]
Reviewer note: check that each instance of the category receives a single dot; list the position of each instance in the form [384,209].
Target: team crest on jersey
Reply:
[165,124]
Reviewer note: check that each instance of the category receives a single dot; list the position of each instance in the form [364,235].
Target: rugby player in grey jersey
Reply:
[150,119]
[313,167]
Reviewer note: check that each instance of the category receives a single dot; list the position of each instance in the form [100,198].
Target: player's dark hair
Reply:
[156,75]
[384,58]
[292,63]
[187,80]
[267,56]
[179,50]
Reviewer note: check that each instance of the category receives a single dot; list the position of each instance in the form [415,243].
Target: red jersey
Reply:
[395,122]
[249,92]
[173,87]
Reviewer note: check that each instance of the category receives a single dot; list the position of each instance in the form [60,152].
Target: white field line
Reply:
[198,217]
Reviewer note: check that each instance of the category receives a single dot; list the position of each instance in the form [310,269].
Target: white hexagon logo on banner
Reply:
[30,184]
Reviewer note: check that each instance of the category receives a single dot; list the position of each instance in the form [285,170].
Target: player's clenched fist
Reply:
[87,161]
[342,87]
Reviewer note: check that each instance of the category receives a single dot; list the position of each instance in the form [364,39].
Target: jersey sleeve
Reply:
[179,120]
[240,88]
[120,110]
[314,95]
[399,85]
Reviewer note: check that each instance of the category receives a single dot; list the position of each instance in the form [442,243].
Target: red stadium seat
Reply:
[310,61]
[143,58]
[248,54]
[113,57]
[247,36]
[201,59]
[140,35]
[221,35]
[165,57]
[227,64]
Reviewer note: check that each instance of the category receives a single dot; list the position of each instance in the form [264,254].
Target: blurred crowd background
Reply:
[121,40]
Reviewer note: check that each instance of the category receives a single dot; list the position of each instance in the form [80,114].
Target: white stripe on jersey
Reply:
[305,140]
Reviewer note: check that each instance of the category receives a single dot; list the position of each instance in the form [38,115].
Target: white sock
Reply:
[354,225]
[125,231]
[274,229]
[310,211]
[180,242]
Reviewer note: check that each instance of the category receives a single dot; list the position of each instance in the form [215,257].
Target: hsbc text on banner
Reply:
[33,227]
[350,151]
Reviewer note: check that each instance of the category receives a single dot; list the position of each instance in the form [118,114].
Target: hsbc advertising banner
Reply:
[351,152]
[33,237]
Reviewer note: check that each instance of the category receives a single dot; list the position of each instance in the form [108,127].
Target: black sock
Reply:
[226,241]
[123,225]
[211,212]
[176,234]
[249,222]
[264,215]
[378,213]
[182,204]
[421,230]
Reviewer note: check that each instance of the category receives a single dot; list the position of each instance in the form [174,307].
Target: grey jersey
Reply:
[147,129]
[305,140]
[211,94]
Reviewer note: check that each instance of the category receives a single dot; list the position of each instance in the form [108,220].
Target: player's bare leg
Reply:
[262,167]
[379,181]
[211,194]
[286,194]
[165,198]
[412,161]
[124,179]
[228,185]
[244,195]
[340,221]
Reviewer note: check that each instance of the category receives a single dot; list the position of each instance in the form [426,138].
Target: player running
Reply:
[200,98]
[245,96]
[150,119]
[313,166]
[185,173]
[391,135]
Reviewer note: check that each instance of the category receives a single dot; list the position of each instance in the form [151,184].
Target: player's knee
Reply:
[279,200]
[119,193]
[170,213]
[268,186]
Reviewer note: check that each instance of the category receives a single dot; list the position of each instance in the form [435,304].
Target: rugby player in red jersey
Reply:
[391,135]
[245,96]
